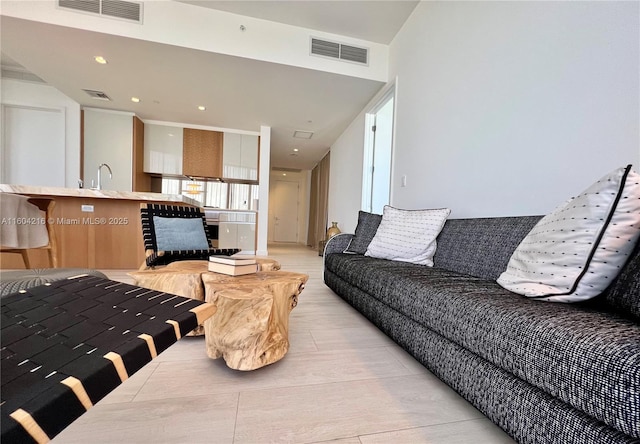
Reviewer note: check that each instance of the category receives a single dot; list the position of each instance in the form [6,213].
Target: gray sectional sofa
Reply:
[544,372]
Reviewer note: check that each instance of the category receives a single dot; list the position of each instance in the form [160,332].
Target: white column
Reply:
[263,194]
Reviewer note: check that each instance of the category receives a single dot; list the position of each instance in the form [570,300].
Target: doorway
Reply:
[376,186]
[285,211]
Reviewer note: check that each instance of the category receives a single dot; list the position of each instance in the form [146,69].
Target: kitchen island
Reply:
[94,228]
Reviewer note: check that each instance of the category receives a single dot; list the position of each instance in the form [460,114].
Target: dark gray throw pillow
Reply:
[365,230]
[624,293]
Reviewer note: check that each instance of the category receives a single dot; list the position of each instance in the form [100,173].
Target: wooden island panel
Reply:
[110,237]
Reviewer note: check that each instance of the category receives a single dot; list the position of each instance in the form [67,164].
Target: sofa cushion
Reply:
[463,244]
[575,252]
[365,231]
[586,358]
[624,293]
[408,235]
[508,401]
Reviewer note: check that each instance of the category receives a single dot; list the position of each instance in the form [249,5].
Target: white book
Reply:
[232,270]
[237,259]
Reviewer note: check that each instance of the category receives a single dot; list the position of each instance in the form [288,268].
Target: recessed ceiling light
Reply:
[135,99]
[101,60]
[284,174]
[303,134]
[296,150]
[201,108]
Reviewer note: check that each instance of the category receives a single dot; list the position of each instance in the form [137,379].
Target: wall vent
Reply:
[354,54]
[81,5]
[97,94]
[121,9]
[335,50]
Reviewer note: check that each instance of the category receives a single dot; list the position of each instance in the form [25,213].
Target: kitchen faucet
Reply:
[99,187]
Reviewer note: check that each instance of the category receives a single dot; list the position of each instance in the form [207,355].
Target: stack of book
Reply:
[235,265]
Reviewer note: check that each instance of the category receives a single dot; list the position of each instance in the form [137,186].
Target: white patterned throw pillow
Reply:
[408,235]
[574,253]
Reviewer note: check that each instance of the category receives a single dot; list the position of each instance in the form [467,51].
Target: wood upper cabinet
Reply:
[202,153]
[141,180]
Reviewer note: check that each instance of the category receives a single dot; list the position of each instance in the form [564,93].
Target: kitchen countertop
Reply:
[227,210]
[96,194]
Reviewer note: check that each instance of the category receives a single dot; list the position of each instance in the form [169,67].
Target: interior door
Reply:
[376,177]
[285,211]
[383,136]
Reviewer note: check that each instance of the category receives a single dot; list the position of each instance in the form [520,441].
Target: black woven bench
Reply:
[13,281]
[68,343]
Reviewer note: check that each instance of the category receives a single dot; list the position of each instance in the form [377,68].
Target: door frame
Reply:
[389,92]
[297,212]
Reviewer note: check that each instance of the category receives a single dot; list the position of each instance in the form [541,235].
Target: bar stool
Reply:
[24,226]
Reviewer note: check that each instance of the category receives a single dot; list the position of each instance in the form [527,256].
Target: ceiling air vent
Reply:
[97,94]
[349,53]
[126,10]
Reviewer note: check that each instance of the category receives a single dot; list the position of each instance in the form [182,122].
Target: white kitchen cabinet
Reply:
[237,230]
[228,235]
[162,149]
[240,156]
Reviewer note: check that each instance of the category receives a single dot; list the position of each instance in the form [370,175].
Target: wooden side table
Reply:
[251,327]
[183,278]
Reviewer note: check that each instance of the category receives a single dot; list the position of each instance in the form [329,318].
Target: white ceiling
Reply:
[376,21]
[239,93]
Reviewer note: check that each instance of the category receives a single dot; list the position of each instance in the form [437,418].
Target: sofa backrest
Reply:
[481,247]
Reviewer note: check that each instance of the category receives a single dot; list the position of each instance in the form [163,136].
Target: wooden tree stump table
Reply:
[251,325]
[183,278]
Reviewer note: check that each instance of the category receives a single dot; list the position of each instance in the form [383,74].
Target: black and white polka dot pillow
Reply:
[574,253]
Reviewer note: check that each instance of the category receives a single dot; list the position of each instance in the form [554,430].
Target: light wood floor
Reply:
[342,381]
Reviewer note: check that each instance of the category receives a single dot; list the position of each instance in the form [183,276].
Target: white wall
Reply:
[505,108]
[38,95]
[303,179]
[345,176]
